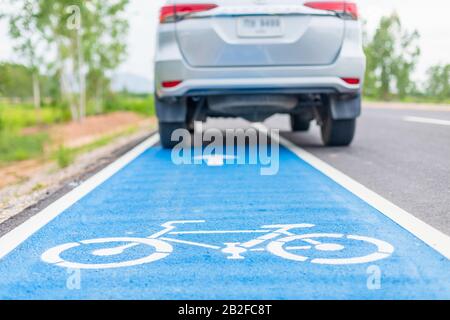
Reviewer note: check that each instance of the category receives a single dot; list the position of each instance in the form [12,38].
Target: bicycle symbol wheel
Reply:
[53,255]
[280,248]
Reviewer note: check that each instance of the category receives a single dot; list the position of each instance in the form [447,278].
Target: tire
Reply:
[338,132]
[191,126]
[299,124]
[165,133]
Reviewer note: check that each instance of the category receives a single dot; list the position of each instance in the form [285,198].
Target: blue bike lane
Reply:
[236,200]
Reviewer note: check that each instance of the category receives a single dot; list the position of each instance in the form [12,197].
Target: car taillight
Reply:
[172,12]
[171,84]
[348,9]
[351,80]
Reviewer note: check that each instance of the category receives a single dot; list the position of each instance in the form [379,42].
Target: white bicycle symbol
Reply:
[276,237]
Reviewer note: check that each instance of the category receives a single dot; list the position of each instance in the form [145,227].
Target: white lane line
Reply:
[427,121]
[431,236]
[18,235]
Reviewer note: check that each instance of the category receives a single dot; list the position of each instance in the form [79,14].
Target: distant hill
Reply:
[132,83]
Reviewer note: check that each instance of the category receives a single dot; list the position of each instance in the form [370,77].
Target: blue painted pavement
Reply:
[206,259]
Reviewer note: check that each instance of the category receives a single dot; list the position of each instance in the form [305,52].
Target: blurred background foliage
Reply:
[392,57]
[68,50]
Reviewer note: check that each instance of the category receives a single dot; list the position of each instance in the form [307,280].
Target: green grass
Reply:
[38,187]
[418,99]
[104,141]
[425,100]
[16,147]
[22,116]
[16,116]
[66,156]
[136,103]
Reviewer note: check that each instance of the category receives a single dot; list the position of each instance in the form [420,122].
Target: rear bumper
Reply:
[306,79]
[204,87]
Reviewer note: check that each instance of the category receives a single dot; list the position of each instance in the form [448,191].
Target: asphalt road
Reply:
[406,162]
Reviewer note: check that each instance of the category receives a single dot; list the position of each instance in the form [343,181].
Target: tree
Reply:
[405,63]
[89,40]
[392,55]
[22,28]
[60,23]
[370,81]
[438,83]
[105,47]
[15,81]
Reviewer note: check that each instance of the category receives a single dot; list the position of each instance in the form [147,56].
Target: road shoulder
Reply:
[86,166]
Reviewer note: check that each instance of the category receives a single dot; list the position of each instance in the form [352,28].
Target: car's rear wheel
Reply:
[191,126]
[166,129]
[299,123]
[338,132]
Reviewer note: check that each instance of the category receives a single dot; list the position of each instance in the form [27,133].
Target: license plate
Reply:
[260,27]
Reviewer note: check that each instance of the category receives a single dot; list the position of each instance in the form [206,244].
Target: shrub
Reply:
[16,147]
[136,103]
[64,157]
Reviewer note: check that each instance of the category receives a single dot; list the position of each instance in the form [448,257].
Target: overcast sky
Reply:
[430,18]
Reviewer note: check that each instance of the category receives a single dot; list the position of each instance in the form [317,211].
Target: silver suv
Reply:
[256,58]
